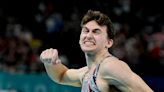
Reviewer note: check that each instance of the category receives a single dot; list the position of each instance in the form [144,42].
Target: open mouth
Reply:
[89,43]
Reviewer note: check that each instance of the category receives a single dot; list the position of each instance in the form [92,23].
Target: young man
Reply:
[104,72]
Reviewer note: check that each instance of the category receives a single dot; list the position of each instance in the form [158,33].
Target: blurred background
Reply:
[27,27]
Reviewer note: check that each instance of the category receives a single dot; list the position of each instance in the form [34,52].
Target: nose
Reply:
[89,35]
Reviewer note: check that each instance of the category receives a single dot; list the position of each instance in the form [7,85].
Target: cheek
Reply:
[81,37]
[102,42]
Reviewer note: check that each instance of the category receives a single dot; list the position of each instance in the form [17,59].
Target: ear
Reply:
[109,43]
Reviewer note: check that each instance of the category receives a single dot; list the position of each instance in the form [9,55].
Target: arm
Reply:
[57,71]
[119,74]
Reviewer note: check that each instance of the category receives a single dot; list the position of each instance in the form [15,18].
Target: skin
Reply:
[94,43]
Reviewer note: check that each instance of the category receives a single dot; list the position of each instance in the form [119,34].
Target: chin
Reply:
[87,50]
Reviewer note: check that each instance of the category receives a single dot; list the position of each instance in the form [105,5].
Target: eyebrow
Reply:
[93,29]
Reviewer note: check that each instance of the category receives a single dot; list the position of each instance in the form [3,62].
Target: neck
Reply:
[93,59]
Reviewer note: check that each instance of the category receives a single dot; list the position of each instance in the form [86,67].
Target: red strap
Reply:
[89,88]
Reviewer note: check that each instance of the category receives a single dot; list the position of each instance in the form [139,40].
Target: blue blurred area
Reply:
[42,83]
[156,83]
[32,83]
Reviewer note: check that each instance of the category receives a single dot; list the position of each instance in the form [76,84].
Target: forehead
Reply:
[94,25]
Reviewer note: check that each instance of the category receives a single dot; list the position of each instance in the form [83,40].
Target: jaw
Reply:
[88,47]
[92,49]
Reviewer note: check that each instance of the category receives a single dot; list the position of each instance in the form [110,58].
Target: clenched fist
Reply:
[50,56]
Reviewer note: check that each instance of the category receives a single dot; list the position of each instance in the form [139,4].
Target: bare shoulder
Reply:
[82,70]
[114,67]
[115,72]
[114,63]
[118,73]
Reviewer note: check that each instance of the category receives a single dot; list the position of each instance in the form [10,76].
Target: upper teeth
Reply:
[89,42]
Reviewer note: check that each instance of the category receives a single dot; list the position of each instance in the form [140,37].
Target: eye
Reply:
[84,30]
[96,31]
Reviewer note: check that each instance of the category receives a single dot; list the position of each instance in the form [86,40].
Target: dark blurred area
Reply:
[27,27]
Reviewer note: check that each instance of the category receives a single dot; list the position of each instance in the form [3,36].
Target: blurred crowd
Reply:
[45,24]
[18,49]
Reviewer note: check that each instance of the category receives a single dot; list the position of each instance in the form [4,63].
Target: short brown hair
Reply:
[102,19]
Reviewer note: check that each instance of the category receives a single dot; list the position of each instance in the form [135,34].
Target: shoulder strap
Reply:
[98,65]
[96,69]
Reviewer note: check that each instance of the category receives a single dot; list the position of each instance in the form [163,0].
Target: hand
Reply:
[50,56]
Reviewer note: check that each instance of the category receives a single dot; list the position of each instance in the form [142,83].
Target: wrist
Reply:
[58,61]
[52,62]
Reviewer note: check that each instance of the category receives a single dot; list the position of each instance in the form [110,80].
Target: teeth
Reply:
[89,43]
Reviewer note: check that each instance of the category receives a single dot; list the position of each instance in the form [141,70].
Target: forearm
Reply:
[56,72]
[54,68]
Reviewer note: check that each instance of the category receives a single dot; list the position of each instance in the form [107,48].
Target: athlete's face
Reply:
[94,37]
